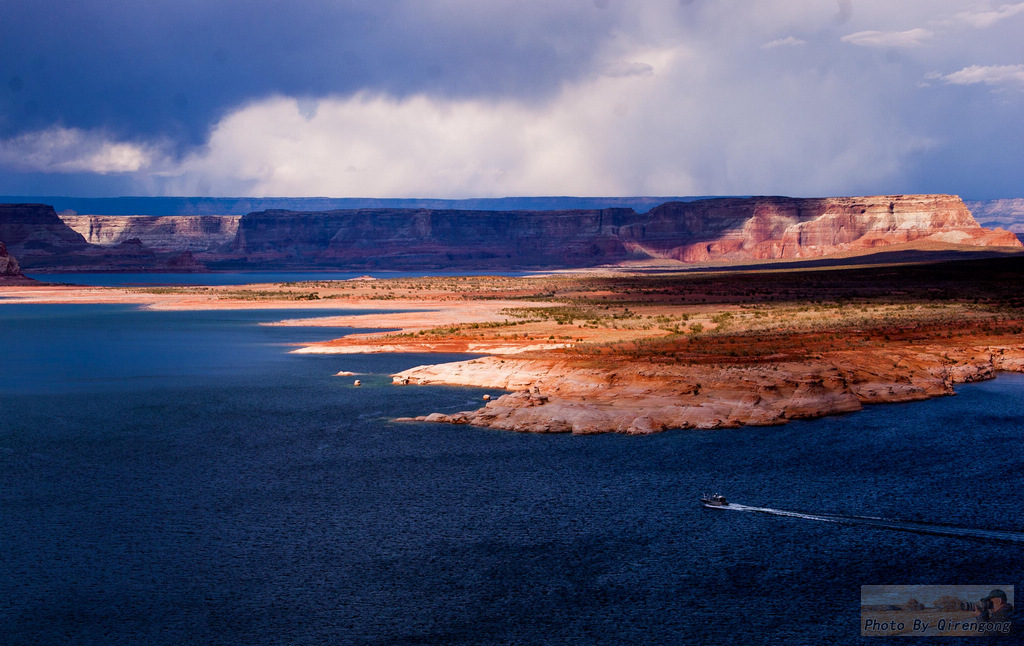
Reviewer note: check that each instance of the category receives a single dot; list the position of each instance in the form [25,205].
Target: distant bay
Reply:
[116,279]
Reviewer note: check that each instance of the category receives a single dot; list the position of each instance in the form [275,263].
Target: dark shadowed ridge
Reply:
[243,205]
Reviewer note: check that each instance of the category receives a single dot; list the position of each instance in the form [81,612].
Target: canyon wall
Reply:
[390,238]
[720,229]
[42,241]
[181,233]
[36,230]
[781,227]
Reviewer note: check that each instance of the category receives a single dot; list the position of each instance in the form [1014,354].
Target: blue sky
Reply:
[466,98]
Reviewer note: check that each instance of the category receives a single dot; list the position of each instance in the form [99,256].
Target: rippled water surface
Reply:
[178,478]
[115,279]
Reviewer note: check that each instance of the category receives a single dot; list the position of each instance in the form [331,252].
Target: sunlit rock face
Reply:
[180,233]
[8,264]
[554,396]
[10,269]
[43,241]
[781,227]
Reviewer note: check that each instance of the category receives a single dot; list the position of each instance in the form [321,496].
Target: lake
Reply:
[119,279]
[179,478]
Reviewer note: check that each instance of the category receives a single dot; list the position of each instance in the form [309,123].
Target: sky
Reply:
[493,98]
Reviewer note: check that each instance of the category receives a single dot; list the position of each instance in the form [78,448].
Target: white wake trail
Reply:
[891,523]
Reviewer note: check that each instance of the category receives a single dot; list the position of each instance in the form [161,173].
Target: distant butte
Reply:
[700,231]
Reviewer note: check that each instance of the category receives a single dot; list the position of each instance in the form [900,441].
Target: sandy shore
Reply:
[633,354]
[152,298]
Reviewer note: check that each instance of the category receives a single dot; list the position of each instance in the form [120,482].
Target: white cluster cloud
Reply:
[987,74]
[983,19]
[788,41]
[871,38]
[379,146]
[72,150]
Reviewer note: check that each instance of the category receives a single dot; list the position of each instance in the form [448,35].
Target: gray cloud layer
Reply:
[172,68]
[503,97]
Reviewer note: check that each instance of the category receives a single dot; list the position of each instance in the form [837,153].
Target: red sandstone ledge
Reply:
[640,398]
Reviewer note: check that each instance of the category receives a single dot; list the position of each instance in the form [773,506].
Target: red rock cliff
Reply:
[179,233]
[782,227]
[756,228]
[726,229]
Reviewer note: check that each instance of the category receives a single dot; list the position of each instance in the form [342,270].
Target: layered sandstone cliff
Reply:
[43,241]
[191,233]
[411,238]
[723,229]
[781,227]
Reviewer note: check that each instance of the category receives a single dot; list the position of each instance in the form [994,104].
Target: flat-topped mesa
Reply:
[783,227]
[427,238]
[180,233]
[756,228]
[720,229]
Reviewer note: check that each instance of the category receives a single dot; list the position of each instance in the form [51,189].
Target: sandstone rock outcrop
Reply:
[10,270]
[638,398]
[161,234]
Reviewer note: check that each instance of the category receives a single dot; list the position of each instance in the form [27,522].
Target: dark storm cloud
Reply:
[450,98]
[160,69]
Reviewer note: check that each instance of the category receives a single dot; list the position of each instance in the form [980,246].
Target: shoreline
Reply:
[639,354]
[645,398]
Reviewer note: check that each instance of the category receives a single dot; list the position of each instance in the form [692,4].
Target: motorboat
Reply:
[714,500]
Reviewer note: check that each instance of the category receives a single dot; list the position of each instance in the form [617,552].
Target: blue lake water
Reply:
[178,478]
[117,279]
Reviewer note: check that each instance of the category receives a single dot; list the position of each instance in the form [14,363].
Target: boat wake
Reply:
[938,529]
